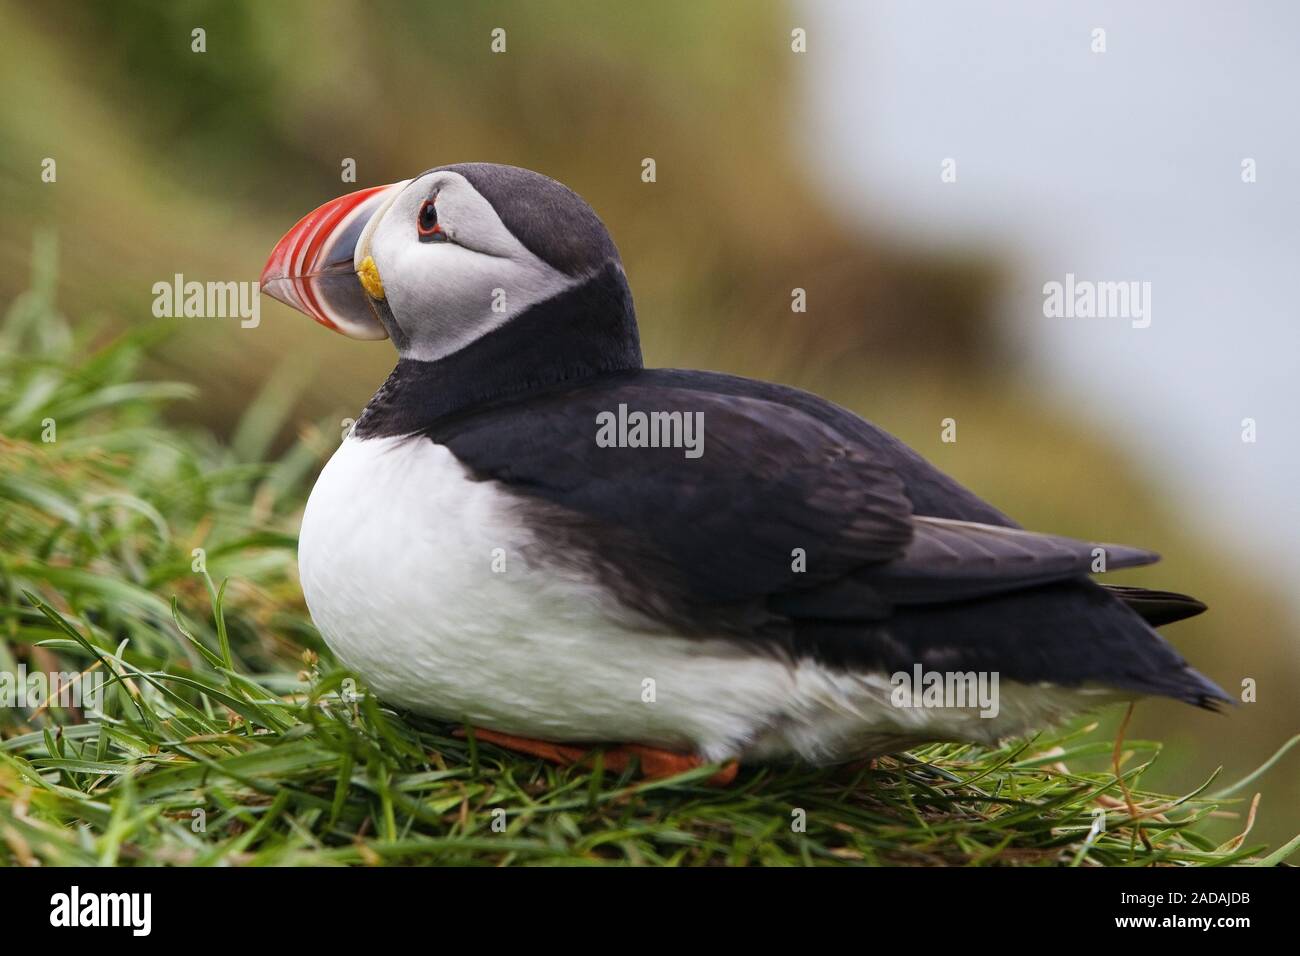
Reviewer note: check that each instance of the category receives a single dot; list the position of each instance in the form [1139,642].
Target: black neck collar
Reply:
[585,331]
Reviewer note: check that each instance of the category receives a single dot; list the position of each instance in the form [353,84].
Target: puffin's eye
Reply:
[427,223]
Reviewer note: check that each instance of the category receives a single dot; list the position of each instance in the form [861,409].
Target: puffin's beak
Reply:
[315,268]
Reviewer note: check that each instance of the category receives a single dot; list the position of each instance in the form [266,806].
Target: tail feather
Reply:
[1157,608]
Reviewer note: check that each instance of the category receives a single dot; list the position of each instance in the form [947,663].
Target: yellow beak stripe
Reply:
[369,276]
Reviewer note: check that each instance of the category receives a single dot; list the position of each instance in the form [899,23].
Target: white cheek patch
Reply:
[445,295]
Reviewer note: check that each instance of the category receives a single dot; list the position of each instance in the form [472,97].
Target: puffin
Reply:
[529,534]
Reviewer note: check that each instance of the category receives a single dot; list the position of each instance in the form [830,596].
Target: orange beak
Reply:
[312,267]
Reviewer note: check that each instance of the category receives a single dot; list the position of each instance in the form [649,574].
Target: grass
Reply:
[163,560]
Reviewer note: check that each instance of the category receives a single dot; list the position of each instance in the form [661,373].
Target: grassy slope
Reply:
[216,715]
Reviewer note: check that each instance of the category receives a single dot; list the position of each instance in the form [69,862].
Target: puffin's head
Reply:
[438,261]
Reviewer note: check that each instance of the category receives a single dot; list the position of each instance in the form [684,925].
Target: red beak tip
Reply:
[292,270]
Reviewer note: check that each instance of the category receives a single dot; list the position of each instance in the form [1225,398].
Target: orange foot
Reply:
[655,763]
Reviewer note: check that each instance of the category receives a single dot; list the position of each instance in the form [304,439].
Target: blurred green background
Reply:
[174,161]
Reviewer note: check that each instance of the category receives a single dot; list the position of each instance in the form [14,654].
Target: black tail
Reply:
[1072,633]
[1157,607]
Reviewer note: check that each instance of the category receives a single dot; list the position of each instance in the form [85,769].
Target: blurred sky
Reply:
[1124,165]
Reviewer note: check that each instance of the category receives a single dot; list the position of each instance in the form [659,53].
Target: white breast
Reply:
[427,584]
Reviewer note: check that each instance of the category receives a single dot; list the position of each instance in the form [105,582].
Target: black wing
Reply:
[725,528]
[780,507]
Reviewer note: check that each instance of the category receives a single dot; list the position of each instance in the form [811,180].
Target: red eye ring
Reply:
[426,222]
